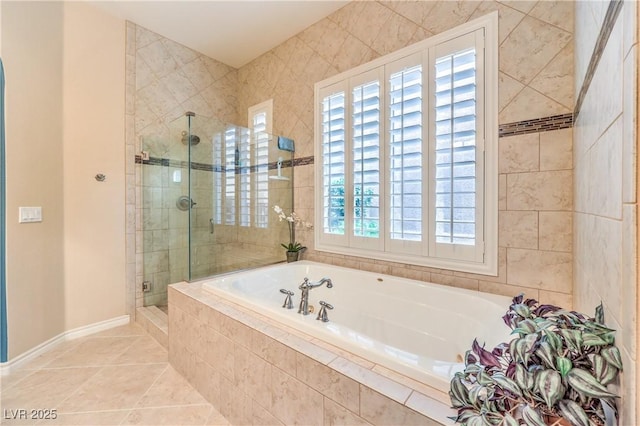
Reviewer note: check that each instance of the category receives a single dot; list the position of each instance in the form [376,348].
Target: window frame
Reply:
[485,258]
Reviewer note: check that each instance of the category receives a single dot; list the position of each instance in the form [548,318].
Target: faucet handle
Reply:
[326,305]
[288,302]
[322,314]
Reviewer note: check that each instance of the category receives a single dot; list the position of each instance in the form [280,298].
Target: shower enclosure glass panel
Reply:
[235,185]
[208,194]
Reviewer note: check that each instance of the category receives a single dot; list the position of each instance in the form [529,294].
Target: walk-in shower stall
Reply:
[208,192]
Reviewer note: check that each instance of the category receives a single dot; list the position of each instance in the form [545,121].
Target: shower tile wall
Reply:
[606,204]
[164,80]
[536,81]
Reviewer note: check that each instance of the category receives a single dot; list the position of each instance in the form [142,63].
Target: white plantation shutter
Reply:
[229,202]
[218,177]
[366,160]
[458,145]
[407,148]
[261,150]
[333,162]
[244,161]
[406,158]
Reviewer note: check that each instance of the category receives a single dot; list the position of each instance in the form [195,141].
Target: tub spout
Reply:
[305,287]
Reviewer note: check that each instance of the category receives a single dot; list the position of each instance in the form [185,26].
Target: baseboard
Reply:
[7,367]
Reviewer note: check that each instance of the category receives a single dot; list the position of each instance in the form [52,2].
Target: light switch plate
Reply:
[30,214]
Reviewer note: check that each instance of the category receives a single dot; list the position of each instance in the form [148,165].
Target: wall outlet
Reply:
[147,286]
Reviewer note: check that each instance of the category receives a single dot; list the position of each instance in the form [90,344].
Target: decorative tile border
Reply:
[181,164]
[536,125]
[615,6]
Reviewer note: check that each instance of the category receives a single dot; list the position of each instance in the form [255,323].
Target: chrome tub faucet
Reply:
[305,287]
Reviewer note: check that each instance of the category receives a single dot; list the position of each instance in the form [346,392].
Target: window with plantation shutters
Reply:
[406,154]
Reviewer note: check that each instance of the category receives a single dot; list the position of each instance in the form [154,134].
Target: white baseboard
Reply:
[7,367]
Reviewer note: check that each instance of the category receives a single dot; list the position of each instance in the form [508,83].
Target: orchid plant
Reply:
[292,220]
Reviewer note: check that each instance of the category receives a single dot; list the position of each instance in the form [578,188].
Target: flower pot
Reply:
[292,256]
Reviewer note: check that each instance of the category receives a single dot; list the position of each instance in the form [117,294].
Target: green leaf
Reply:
[476,421]
[508,420]
[506,383]
[475,396]
[549,386]
[525,327]
[573,338]
[532,417]
[612,355]
[473,369]
[554,340]
[590,339]
[522,310]
[521,348]
[523,378]
[587,385]
[564,365]
[484,379]
[459,391]
[544,352]
[599,314]
[573,412]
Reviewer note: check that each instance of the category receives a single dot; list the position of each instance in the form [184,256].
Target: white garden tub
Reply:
[419,329]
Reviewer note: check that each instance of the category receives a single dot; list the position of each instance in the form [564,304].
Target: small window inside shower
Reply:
[260,123]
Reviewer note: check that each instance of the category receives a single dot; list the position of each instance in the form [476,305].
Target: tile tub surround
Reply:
[257,371]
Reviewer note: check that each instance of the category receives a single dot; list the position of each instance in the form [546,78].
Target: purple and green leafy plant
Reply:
[555,371]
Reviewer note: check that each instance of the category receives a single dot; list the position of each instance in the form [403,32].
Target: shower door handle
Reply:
[211,226]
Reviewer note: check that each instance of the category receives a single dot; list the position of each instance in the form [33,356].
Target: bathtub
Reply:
[418,329]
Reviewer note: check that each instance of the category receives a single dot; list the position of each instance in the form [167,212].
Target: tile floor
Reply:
[120,376]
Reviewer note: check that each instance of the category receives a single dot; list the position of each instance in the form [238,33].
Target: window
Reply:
[407,153]
[260,121]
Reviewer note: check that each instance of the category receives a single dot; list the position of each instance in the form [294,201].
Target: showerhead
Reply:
[192,140]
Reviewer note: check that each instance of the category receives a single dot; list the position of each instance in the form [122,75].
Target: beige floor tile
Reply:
[181,415]
[10,380]
[43,360]
[91,418]
[99,379]
[145,350]
[96,351]
[131,329]
[45,389]
[216,419]
[113,387]
[170,389]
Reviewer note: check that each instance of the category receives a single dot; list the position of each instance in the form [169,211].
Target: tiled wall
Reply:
[605,154]
[536,81]
[164,80]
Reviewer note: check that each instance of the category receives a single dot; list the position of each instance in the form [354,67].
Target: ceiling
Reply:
[233,32]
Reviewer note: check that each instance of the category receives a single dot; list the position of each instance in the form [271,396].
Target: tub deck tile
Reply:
[372,380]
[310,381]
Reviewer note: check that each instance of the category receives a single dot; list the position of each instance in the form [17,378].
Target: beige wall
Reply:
[32,56]
[93,121]
[536,80]
[605,152]
[64,117]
